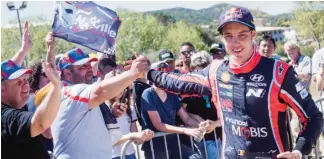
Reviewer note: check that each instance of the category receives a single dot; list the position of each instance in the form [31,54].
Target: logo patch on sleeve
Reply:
[299,87]
[303,93]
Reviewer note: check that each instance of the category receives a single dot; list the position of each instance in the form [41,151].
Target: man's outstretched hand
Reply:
[290,155]
[50,39]
[139,66]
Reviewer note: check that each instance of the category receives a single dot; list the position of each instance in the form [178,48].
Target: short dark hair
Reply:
[267,37]
[33,79]
[188,44]
[106,62]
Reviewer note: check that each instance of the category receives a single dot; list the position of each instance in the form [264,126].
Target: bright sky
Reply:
[36,8]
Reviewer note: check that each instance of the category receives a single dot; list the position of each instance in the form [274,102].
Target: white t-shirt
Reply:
[317,59]
[124,123]
[77,131]
[304,66]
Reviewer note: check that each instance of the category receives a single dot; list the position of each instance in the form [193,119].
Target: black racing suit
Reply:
[251,101]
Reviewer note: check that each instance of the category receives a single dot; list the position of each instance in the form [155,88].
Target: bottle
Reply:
[202,134]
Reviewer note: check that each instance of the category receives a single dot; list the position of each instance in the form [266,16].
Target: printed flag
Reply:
[87,24]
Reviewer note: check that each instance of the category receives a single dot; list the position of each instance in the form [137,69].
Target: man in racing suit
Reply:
[251,94]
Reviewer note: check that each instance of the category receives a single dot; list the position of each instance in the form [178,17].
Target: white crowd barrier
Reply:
[162,134]
[319,103]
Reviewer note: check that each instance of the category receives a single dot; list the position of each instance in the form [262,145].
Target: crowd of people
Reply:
[236,96]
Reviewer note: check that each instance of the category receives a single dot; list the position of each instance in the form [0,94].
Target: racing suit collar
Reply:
[248,66]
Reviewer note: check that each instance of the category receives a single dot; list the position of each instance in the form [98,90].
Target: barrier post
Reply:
[179,145]
[166,146]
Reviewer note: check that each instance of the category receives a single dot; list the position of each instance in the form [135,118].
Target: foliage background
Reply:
[150,32]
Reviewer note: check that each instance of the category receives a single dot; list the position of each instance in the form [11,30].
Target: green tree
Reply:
[137,33]
[280,50]
[307,50]
[10,43]
[181,32]
[308,19]
[163,18]
[144,33]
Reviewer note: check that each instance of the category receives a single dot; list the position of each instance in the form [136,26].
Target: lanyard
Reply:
[207,101]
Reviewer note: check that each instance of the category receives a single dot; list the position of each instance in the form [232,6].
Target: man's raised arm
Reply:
[50,42]
[111,87]
[26,45]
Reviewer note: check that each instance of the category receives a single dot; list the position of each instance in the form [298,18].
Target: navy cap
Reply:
[218,46]
[240,15]
[165,55]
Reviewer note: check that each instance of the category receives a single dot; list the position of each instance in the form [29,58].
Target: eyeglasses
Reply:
[186,53]
[239,37]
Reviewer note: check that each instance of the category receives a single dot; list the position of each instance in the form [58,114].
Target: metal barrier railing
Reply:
[160,134]
[319,102]
[126,144]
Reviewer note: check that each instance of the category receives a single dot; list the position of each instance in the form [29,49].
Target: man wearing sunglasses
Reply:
[251,94]
[186,50]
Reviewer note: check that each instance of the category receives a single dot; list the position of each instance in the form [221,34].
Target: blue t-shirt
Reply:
[167,110]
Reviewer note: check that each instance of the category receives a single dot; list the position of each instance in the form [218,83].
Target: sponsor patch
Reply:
[241,152]
[299,87]
[229,149]
[226,105]
[256,92]
[233,13]
[226,86]
[303,93]
[226,93]
[280,70]
[257,77]
[255,84]
[225,77]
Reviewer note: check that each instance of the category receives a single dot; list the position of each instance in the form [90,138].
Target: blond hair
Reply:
[200,59]
[291,44]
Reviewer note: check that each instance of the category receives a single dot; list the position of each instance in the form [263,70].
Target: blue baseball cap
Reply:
[11,71]
[75,57]
[240,15]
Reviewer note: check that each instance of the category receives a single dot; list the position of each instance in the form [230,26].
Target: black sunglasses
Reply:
[187,52]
